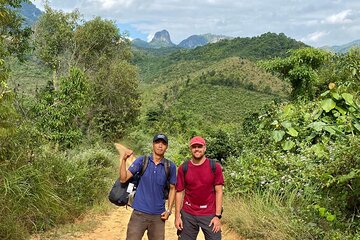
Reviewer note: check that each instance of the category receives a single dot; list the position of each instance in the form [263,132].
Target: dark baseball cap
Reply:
[160,136]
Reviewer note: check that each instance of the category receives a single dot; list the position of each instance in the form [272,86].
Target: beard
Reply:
[198,155]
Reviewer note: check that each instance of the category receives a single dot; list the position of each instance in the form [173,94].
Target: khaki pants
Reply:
[140,222]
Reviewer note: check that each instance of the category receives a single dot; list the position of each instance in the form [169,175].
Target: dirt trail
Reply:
[112,226]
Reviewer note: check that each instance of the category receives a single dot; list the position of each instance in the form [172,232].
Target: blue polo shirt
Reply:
[149,196]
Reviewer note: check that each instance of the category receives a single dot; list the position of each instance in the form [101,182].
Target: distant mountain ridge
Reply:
[162,39]
[30,13]
[200,40]
[342,48]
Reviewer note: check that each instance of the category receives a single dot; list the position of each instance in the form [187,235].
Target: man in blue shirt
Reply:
[149,203]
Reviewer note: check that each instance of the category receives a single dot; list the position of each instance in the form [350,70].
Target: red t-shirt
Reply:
[199,185]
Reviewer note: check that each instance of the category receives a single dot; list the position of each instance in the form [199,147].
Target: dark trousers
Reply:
[192,225]
[140,222]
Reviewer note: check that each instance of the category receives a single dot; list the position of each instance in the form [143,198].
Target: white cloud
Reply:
[294,18]
[149,37]
[339,18]
[315,36]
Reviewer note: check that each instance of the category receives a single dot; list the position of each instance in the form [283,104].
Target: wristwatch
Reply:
[218,216]
[169,211]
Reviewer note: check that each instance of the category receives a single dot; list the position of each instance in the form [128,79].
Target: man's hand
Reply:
[216,224]
[165,215]
[127,154]
[178,223]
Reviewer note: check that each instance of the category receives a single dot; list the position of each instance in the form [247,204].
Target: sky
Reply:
[315,22]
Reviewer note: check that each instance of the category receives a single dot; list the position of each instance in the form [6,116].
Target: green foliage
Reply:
[27,78]
[265,46]
[98,42]
[116,101]
[310,148]
[300,69]
[54,37]
[52,188]
[266,215]
[170,66]
[61,113]
[13,41]
[99,49]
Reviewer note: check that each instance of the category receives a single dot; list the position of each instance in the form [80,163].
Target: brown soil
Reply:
[113,225]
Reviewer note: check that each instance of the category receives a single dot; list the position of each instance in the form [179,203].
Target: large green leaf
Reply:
[288,145]
[317,126]
[330,217]
[349,99]
[357,126]
[319,150]
[286,124]
[341,110]
[325,93]
[293,132]
[278,135]
[336,95]
[328,104]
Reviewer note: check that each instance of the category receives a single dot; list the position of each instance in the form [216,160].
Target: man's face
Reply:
[159,147]
[197,150]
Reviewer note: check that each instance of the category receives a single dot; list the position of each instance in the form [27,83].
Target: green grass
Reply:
[264,216]
[220,104]
[54,188]
[27,77]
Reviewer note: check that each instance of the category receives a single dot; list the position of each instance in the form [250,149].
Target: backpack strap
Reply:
[144,164]
[185,166]
[213,165]
[167,168]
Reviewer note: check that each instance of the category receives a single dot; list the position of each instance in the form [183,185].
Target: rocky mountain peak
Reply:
[162,36]
[161,39]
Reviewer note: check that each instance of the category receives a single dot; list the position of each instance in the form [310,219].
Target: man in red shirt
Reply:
[199,195]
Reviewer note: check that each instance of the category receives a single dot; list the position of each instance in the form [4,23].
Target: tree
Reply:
[301,70]
[13,42]
[98,42]
[13,38]
[61,113]
[116,101]
[54,39]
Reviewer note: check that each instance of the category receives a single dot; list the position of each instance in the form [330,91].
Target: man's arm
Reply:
[165,215]
[218,201]
[218,198]
[171,199]
[178,205]
[125,174]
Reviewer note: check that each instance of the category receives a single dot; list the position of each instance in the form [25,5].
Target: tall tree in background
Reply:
[13,42]
[54,40]
[103,54]
[301,69]
[117,103]
[98,42]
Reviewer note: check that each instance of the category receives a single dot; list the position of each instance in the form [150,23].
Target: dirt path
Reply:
[112,226]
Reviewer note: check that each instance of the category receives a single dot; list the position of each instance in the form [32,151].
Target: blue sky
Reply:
[317,23]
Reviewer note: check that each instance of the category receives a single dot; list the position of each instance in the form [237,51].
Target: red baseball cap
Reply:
[197,140]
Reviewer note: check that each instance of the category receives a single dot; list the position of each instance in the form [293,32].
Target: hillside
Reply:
[224,74]
[342,48]
[28,77]
[180,63]
[265,46]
